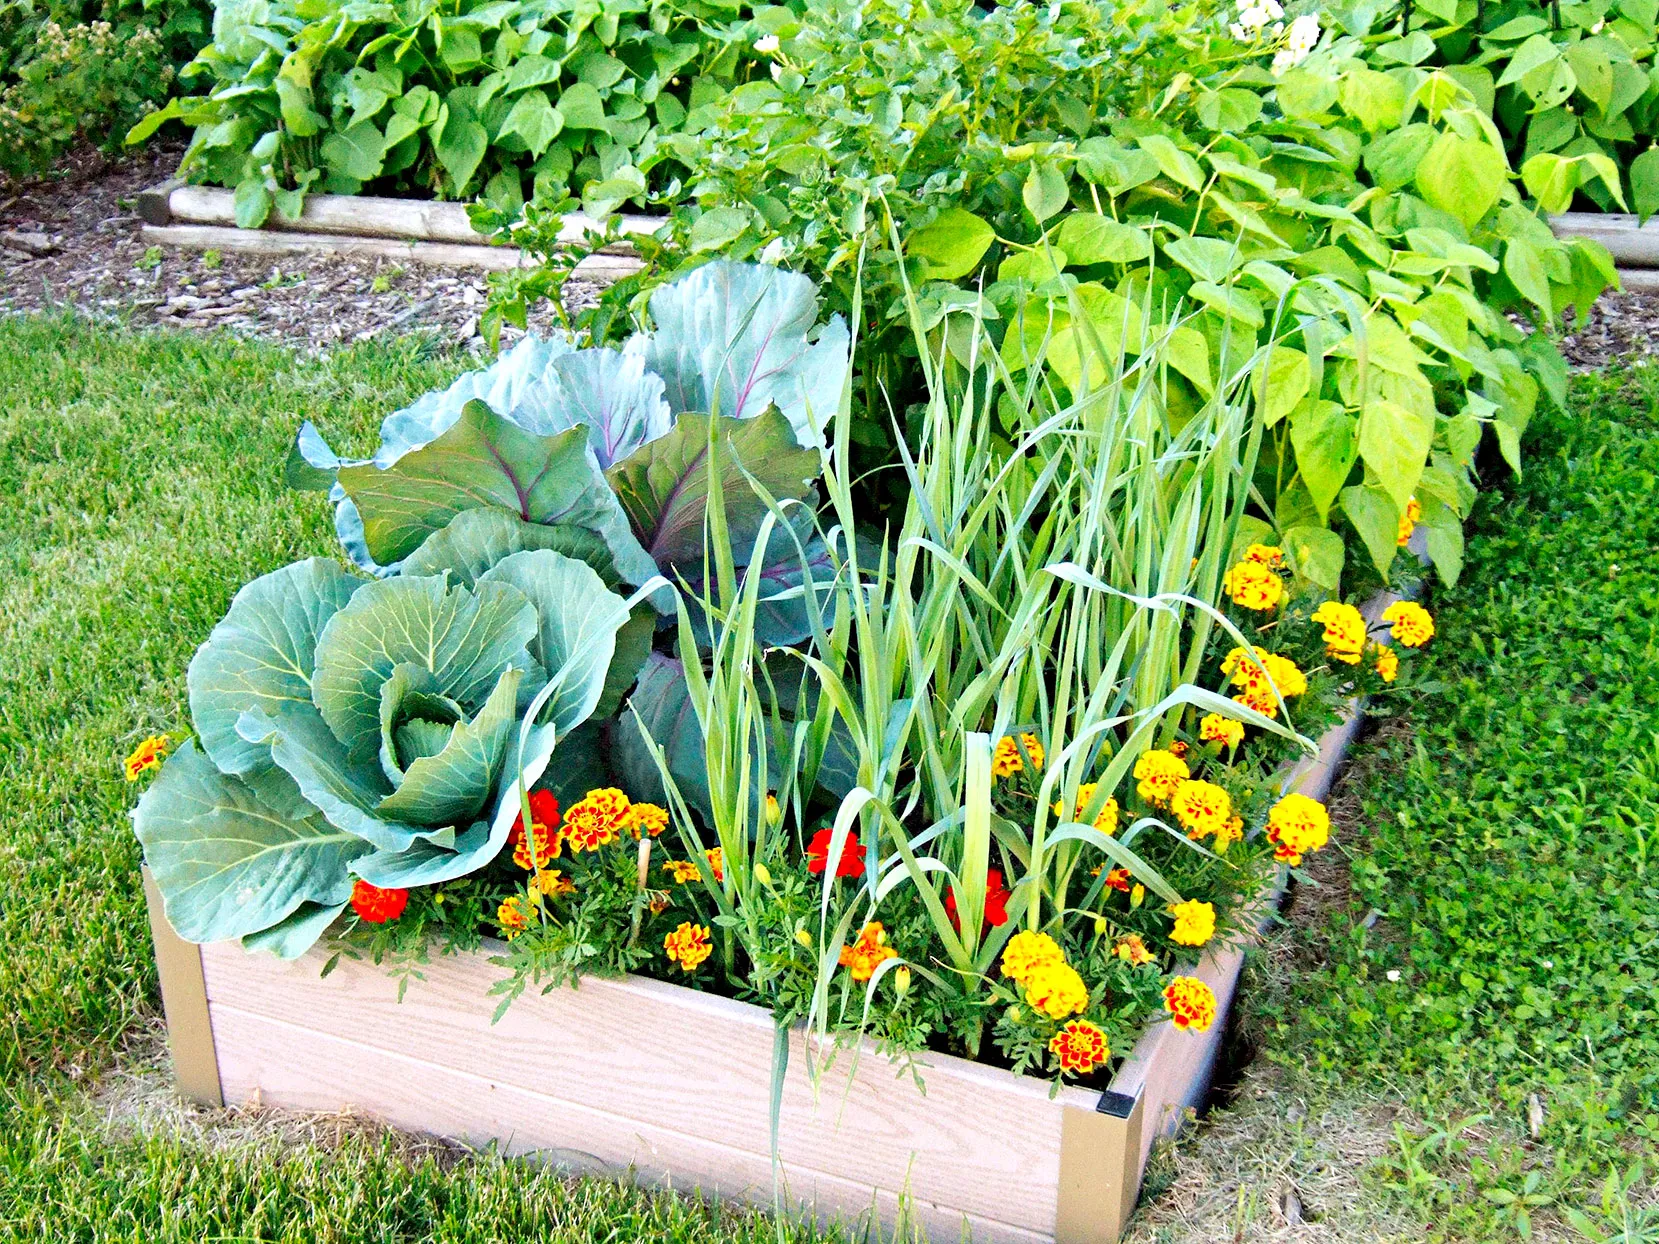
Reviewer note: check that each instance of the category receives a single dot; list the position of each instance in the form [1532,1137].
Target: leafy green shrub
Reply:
[72,70]
[1044,156]
[447,100]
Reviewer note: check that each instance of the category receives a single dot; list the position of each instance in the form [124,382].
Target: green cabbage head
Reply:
[349,727]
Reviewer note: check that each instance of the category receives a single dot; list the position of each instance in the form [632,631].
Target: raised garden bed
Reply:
[673,1085]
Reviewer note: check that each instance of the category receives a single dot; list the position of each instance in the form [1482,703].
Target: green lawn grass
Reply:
[1500,837]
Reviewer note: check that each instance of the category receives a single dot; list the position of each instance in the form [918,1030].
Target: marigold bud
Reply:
[901,981]
[1100,926]
[763,874]
[804,938]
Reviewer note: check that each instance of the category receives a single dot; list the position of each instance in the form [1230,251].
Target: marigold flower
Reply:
[1007,761]
[1026,952]
[683,871]
[1106,820]
[598,818]
[647,818]
[1297,826]
[375,905]
[146,756]
[1133,951]
[1055,989]
[851,863]
[1344,631]
[1251,585]
[1412,625]
[544,831]
[868,952]
[1117,879]
[513,916]
[1190,1003]
[1194,923]
[1080,1047]
[1157,774]
[1202,808]
[553,882]
[996,901]
[1229,833]
[1408,522]
[688,945]
[716,856]
[1224,730]
[1259,677]
[1270,555]
[1387,662]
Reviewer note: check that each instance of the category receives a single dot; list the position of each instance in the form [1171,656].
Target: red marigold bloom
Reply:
[1118,879]
[374,905]
[146,756]
[1190,1003]
[1080,1047]
[544,831]
[996,901]
[599,817]
[851,863]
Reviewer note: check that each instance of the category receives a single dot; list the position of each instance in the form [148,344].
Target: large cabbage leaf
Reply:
[260,655]
[234,855]
[663,705]
[475,540]
[664,485]
[731,338]
[485,460]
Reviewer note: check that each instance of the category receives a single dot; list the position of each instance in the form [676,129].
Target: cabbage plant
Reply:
[377,728]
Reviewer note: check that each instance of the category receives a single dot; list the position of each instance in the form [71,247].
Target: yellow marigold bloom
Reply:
[1026,952]
[1080,1047]
[1157,774]
[1254,675]
[1270,555]
[1412,625]
[683,871]
[1344,631]
[868,952]
[146,756]
[1133,951]
[1387,662]
[1106,820]
[1190,1003]
[599,817]
[1194,923]
[1253,586]
[1201,807]
[1229,833]
[688,945]
[1408,522]
[1218,729]
[1297,826]
[552,881]
[513,916]
[648,819]
[1006,759]
[1056,990]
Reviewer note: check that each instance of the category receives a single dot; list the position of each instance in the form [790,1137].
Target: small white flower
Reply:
[767,45]
[773,254]
[777,72]
[1597,28]
[1304,34]
[1394,975]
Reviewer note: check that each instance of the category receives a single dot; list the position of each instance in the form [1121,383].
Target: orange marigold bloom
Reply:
[1026,952]
[1408,522]
[1190,1003]
[146,756]
[1080,1047]
[1055,989]
[553,882]
[688,945]
[375,905]
[1158,773]
[1387,662]
[1224,730]
[658,903]
[1297,826]
[1202,808]
[1251,585]
[598,818]
[868,952]
[1105,820]
[683,871]
[1194,923]
[716,857]
[1344,631]
[513,916]
[1412,624]
[648,819]
[1133,951]
[544,831]
[1117,879]
[1007,761]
